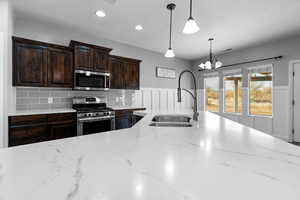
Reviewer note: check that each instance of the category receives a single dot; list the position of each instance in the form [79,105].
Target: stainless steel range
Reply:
[93,115]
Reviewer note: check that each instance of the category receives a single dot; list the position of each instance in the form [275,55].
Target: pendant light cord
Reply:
[191,7]
[210,53]
[170,40]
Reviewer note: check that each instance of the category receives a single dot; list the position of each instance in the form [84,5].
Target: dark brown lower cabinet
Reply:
[40,128]
[124,119]
[60,130]
[27,134]
[62,126]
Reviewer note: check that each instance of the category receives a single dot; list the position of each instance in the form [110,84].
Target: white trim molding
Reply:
[290,102]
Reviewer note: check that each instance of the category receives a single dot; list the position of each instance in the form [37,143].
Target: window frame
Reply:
[205,99]
[249,93]
[224,93]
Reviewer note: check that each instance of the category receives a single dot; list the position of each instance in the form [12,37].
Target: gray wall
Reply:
[288,48]
[53,33]
[278,124]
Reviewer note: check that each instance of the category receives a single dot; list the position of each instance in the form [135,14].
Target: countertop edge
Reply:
[39,112]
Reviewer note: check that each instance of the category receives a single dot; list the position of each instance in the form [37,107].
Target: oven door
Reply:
[86,127]
[88,80]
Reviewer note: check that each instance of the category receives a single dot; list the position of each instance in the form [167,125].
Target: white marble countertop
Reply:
[215,159]
[40,112]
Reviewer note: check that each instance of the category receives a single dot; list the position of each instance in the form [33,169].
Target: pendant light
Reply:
[191,26]
[170,53]
[212,63]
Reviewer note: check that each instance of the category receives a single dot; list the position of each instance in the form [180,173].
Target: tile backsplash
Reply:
[38,98]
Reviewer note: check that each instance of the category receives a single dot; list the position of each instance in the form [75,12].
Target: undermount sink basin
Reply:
[170,124]
[171,118]
[171,121]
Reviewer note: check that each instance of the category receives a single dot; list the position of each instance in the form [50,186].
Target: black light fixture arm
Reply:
[210,51]
[252,61]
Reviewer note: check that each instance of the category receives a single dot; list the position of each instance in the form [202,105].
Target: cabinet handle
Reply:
[28,125]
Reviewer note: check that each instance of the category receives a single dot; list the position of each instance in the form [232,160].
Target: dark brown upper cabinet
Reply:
[29,64]
[39,64]
[116,73]
[125,73]
[90,57]
[100,61]
[60,68]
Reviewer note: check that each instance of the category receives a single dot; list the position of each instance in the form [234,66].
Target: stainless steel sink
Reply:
[171,118]
[170,124]
[171,121]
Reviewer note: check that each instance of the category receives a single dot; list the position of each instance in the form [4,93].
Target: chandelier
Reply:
[212,63]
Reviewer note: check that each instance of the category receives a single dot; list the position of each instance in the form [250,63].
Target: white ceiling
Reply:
[233,23]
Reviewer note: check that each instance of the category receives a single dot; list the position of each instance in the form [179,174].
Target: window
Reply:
[260,94]
[212,94]
[233,93]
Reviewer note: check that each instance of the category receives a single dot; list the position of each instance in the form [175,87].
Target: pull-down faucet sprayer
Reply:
[195,109]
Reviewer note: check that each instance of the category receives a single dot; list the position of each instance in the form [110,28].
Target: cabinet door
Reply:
[132,75]
[62,130]
[117,73]
[123,119]
[28,134]
[29,65]
[83,58]
[100,61]
[123,122]
[60,68]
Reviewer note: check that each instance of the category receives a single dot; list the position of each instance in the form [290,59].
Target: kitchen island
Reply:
[215,159]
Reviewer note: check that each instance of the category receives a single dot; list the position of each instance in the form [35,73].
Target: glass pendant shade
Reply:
[170,53]
[218,64]
[191,27]
[208,65]
[202,66]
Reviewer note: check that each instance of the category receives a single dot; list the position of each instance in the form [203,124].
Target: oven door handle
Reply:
[93,119]
[107,82]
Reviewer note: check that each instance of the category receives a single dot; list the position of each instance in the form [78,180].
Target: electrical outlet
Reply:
[50,100]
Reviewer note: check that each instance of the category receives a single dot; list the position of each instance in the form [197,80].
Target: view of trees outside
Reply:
[212,94]
[261,94]
[233,94]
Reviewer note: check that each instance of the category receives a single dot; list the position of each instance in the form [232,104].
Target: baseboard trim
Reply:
[281,137]
[296,140]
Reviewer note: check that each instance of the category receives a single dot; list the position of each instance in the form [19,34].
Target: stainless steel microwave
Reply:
[89,80]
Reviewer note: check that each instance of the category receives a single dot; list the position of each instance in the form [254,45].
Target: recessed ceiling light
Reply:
[100,13]
[138,27]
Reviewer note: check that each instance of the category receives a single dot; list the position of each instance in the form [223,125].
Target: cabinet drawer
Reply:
[28,134]
[30,119]
[62,130]
[61,117]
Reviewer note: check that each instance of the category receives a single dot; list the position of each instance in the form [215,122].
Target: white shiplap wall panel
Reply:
[155,99]
[276,125]
[138,98]
[160,99]
[171,100]
[281,112]
[147,99]
[163,96]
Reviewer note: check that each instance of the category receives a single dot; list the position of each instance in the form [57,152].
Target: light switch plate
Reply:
[50,100]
